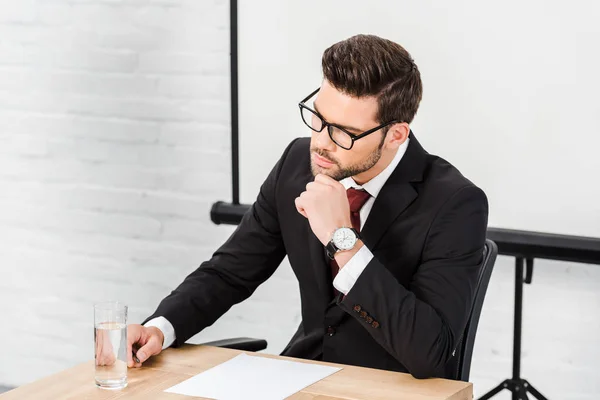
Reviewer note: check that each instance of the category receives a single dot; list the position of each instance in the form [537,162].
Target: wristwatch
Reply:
[343,239]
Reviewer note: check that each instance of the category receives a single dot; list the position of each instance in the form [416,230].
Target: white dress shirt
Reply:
[348,275]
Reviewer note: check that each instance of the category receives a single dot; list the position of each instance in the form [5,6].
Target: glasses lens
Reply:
[311,119]
[340,137]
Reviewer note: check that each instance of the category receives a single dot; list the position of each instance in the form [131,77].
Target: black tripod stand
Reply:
[517,385]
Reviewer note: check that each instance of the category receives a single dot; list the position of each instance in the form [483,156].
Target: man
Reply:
[385,240]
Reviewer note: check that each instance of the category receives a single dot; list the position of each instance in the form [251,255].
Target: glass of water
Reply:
[110,345]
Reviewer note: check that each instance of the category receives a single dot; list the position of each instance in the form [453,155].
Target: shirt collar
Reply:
[373,187]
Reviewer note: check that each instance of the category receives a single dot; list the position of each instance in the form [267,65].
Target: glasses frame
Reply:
[330,126]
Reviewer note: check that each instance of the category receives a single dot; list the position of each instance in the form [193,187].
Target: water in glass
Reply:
[110,340]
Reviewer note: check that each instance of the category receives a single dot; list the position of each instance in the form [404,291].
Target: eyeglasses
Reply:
[338,134]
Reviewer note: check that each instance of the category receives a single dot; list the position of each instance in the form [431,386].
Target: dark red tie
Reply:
[356,199]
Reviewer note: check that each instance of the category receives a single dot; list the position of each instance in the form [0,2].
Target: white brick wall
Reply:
[114,142]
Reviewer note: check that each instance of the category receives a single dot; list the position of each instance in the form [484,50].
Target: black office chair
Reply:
[240,343]
[464,349]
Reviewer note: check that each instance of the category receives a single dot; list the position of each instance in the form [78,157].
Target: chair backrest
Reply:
[464,351]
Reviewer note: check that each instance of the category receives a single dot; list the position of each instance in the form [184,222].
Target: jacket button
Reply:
[363,314]
[330,330]
[357,308]
[375,324]
[369,320]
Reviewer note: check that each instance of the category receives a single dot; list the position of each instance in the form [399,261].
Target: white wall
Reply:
[114,142]
[510,93]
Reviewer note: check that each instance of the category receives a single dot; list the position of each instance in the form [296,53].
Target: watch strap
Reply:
[331,249]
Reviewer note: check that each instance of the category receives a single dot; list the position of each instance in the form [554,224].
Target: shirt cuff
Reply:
[165,327]
[348,275]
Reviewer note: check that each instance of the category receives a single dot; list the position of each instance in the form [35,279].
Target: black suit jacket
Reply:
[408,308]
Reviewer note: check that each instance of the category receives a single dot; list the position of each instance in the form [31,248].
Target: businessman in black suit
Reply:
[385,239]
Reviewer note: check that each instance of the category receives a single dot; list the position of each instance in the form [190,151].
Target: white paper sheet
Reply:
[250,377]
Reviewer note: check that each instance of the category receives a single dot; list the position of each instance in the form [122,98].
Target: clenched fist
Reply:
[325,205]
[142,343]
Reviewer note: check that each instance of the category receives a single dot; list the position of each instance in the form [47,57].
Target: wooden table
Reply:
[176,365]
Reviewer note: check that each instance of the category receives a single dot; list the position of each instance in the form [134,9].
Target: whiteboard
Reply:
[511,94]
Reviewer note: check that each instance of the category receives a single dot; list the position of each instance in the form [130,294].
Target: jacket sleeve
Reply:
[421,325]
[247,259]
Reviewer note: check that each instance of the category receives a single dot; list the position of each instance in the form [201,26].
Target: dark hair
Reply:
[367,65]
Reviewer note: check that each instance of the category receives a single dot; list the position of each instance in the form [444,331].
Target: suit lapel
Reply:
[397,193]
[392,200]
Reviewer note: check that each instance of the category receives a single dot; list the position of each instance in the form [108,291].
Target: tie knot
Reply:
[357,198]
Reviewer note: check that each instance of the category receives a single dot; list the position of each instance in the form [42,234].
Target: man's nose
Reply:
[323,141]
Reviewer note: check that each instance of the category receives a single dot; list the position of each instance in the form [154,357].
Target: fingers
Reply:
[327,180]
[107,358]
[104,351]
[307,198]
[321,184]
[98,346]
[151,348]
[134,334]
[142,343]
[325,184]
[300,207]
[317,186]
[304,202]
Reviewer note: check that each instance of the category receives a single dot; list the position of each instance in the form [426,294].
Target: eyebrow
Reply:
[349,128]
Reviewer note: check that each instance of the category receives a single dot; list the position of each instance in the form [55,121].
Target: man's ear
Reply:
[397,134]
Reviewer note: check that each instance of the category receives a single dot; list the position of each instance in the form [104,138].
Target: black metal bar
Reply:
[227,213]
[551,246]
[529,270]
[524,244]
[518,318]
[233,44]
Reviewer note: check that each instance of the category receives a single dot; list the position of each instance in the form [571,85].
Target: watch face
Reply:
[344,238]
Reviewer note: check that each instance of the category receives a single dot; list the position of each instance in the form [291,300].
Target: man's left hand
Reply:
[325,205]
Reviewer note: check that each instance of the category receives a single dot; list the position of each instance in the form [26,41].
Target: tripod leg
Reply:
[533,391]
[495,391]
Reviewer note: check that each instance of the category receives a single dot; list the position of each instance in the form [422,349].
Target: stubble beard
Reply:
[338,172]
